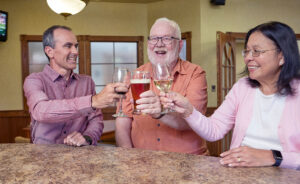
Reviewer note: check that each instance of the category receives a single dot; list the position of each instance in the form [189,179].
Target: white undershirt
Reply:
[262,132]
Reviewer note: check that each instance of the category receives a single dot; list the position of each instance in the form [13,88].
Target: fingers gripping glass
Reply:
[121,75]
[255,52]
[165,40]
[163,80]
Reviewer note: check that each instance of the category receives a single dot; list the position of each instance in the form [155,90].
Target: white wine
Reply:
[163,85]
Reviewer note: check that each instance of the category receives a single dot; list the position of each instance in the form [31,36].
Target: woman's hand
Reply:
[247,157]
[176,102]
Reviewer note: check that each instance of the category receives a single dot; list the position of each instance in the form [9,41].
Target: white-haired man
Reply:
[167,132]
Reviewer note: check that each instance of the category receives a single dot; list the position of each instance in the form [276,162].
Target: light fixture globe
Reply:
[67,7]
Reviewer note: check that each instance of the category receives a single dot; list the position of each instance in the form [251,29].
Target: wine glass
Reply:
[121,75]
[162,79]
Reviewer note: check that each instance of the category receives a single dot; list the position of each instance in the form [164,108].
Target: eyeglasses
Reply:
[165,40]
[255,52]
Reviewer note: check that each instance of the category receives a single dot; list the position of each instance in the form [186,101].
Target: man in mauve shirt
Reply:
[167,132]
[63,105]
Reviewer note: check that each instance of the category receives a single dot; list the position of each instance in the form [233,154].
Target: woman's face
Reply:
[265,67]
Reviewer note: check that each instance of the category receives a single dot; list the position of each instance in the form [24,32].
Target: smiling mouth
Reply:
[160,52]
[72,58]
[253,67]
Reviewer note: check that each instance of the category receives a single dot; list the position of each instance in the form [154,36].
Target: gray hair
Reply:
[48,38]
[172,23]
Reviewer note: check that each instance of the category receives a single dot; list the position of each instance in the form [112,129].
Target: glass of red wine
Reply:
[122,75]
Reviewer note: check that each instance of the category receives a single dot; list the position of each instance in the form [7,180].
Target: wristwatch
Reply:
[88,139]
[278,158]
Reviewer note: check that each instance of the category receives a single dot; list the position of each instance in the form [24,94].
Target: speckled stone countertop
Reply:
[29,163]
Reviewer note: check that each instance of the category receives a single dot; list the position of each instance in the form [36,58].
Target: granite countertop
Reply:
[29,163]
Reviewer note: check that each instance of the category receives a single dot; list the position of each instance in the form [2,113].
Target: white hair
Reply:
[172,23]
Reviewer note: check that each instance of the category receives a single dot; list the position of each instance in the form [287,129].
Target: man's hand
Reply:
[149,103]
[108,95]
[75,139]
[247,157]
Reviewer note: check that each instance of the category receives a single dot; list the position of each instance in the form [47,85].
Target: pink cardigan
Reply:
[236,112]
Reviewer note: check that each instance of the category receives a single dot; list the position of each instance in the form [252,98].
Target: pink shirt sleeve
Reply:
[51,111]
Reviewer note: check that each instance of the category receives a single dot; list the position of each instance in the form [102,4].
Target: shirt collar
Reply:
[179,67]
[53,75]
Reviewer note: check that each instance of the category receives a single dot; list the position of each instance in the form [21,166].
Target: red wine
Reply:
[121,93]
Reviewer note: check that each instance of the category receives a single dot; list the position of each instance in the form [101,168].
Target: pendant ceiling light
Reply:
[67,7]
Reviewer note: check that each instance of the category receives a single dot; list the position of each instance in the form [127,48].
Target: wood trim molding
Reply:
[115,38]
[138,39]
[242,36]
[25,59]
[188,37]
[140,54]
[13,113]
[82,54]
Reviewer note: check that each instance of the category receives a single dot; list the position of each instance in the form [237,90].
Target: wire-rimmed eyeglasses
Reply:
[255,52]
[165,39]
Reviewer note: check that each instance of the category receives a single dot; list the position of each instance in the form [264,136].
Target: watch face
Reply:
[277,154]
[88,139]
[278,157]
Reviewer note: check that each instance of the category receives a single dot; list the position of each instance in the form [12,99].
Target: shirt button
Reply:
[158,124]
[158,139]
[65,132]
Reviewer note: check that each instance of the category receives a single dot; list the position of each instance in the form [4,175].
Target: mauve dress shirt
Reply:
[59,107]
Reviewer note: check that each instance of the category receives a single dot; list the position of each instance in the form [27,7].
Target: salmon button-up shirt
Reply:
[148,133]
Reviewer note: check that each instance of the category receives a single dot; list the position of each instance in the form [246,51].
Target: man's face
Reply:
[161,52]
[64,54]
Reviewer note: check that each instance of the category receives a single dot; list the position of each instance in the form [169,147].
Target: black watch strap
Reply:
[88,139]
[278,157]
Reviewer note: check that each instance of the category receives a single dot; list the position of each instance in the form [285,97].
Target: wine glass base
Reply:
[119,115]
[166,111]
[137,112]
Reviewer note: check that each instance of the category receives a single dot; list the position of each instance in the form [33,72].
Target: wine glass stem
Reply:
[120,110]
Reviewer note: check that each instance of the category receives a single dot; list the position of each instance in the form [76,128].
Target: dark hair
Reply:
[48,38]
[285,40]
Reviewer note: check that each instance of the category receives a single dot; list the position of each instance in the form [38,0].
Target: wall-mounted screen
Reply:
[3,25]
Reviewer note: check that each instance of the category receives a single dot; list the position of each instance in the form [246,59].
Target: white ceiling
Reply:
[127,1]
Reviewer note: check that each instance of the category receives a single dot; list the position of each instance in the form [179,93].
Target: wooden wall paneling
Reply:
[5,132]
[12,124]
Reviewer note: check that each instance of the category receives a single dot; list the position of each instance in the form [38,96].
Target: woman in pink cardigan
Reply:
[263,109]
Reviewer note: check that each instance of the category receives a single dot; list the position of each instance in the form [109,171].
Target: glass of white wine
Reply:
[163,79]
[121,75]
